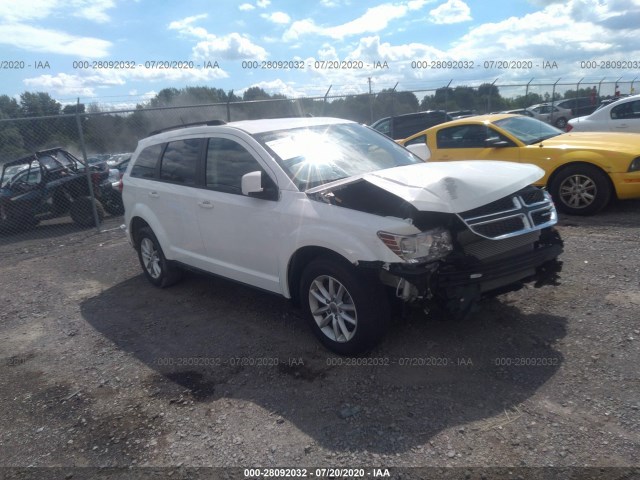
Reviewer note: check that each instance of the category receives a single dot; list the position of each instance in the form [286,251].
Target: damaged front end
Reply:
[479,253]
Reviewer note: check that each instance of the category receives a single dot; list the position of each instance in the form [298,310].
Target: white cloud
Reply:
[280,18]
[328,52]
[94,10]
[230,47]
[245,7]
[12,11]
[276,86]
[185,26]
[373,20]
[52,41]
[453,11]
[86,84]
[263,3]
[234,46]
[370,48]
[20,11]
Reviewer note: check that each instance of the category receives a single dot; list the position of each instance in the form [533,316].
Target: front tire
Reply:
[580,190]
[155,266]
[347,311]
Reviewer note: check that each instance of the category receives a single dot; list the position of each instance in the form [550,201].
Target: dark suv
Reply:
[48,184]
[403,126]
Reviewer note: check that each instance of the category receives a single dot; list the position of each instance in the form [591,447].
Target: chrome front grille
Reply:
[527,210]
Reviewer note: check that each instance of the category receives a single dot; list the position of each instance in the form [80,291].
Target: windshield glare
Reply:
[312,156]
[528,130]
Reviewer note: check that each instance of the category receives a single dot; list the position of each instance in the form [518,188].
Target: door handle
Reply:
[205,204]
[153,194]
[622,125]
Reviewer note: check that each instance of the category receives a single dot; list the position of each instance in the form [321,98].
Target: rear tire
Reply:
[81,212]
[561,123]
[580,190]
[158,270]
[346,310]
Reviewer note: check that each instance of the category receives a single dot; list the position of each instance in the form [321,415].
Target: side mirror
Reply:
[252,186]
[252,183]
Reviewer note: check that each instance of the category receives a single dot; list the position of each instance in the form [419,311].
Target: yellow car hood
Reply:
[609,141]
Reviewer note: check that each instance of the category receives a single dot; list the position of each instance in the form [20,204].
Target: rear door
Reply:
[625,117]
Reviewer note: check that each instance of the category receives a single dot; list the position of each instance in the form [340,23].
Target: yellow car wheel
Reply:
[580,190]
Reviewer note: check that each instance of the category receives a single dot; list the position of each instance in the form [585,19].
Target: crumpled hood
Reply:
[448,187]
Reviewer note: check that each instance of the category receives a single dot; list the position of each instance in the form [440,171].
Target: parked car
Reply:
[552,114]
[402,126]
[519,111]
[47,184]
[110,188]
[620,116]
[582,170]
[579,106]
[336,217]
[461,114]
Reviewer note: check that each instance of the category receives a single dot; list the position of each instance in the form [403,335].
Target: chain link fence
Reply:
[60,173]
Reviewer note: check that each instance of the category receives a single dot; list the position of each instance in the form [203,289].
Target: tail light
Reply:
[568,128]
[120,184]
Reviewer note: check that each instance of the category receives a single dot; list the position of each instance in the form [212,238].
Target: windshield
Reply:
[528,130]
[312,156]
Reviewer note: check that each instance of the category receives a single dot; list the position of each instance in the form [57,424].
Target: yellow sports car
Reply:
[583,169]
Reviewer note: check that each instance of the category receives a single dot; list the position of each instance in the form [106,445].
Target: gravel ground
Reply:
[100,369]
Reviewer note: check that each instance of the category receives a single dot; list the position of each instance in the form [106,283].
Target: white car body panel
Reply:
[601,120]
[243,251]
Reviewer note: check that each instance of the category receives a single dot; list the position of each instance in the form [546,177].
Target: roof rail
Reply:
[193,124]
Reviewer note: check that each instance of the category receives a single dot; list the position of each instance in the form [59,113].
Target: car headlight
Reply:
[635,165]
[425,246]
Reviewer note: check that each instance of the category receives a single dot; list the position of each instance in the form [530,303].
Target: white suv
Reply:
[336,217]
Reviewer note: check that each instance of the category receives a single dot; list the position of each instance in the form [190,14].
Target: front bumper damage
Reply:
[460,281]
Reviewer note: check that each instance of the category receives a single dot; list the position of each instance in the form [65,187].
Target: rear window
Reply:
[147,162]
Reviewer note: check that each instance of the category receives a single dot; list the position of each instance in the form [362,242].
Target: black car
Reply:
[48,184]
[110,188]
[403,126]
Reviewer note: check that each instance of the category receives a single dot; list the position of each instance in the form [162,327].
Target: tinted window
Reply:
[180,160]
[383,126]
[145,166]
[463,136]
[421,139]
[227,162]
[626,110]
[407,126]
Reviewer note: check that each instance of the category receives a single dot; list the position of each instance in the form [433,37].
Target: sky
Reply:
[121,52]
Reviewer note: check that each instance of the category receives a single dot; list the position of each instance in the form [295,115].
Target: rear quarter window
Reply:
[146,164]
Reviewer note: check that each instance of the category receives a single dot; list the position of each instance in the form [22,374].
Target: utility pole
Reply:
[370,102]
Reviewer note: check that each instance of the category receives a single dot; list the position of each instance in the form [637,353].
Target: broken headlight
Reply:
[425,246]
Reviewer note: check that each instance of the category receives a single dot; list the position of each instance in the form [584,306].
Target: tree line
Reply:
[105,131]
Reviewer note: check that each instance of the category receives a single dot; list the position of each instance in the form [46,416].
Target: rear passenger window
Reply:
[145,166]
[180,161]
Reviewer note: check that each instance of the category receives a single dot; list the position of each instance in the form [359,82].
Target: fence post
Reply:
[86,168]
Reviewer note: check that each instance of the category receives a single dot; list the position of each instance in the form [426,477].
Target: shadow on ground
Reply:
[208,339]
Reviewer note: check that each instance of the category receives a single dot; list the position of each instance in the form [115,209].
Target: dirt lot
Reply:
[100,369]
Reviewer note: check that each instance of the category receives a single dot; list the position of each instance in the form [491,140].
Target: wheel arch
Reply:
[299,260]
[136,224]
[575,163]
